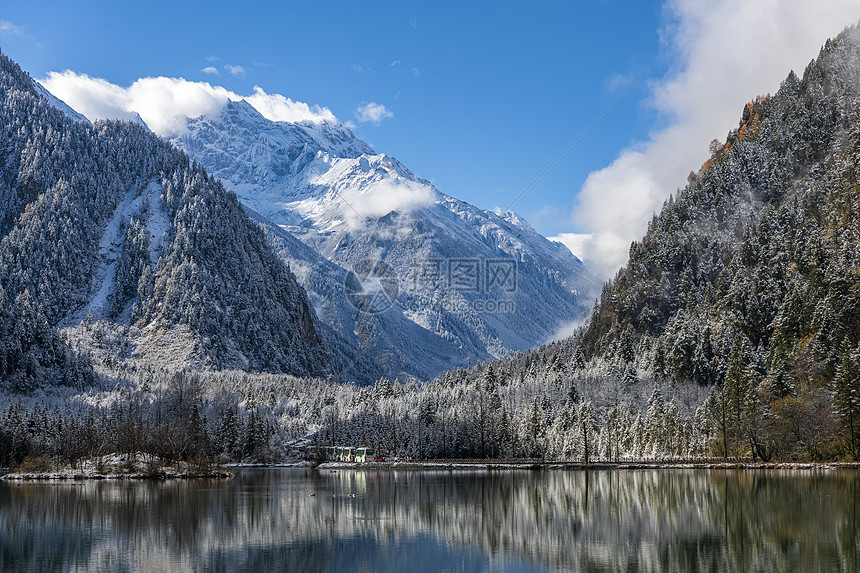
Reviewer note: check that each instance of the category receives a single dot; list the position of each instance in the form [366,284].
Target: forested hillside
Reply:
[748,278]
[110,223]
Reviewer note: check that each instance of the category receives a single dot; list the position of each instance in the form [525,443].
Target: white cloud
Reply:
[727,53]
[235,70]
[384,197]
[279,108]
[577,243]
[566,329]
[211,58]
[372,112]
[416,72]
[211,70]
[10,29]
[165,104]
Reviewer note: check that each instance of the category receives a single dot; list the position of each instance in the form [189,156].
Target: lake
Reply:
[421,520]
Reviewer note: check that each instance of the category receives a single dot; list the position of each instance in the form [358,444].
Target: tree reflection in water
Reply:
[671,520]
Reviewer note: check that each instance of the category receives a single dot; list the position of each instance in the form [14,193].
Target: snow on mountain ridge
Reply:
[349,204]
[58,103]
[261,159]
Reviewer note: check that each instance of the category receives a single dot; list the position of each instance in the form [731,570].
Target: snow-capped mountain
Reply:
[457,283]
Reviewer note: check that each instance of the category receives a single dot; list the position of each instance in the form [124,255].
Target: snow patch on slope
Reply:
[110,246]
[157,224]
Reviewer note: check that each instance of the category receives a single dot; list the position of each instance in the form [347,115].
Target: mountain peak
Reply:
[239,111]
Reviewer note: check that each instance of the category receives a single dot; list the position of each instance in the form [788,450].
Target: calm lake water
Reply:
[416,521]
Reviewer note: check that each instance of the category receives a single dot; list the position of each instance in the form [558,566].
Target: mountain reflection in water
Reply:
[368,520]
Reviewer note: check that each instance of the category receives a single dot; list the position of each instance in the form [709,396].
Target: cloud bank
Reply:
[165,104]
[726,53]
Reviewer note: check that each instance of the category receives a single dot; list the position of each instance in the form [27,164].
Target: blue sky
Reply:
[481,96]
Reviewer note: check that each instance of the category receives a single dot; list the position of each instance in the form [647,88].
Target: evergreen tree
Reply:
[846,396]
[586,434]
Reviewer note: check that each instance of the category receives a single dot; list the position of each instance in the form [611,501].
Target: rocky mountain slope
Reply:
[464,284]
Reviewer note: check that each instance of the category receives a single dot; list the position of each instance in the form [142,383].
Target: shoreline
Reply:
[228,471]
[118,467]
[569,466]
[79,477]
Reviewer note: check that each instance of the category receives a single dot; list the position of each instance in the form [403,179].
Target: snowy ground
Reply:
[571,465]
[120,466]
